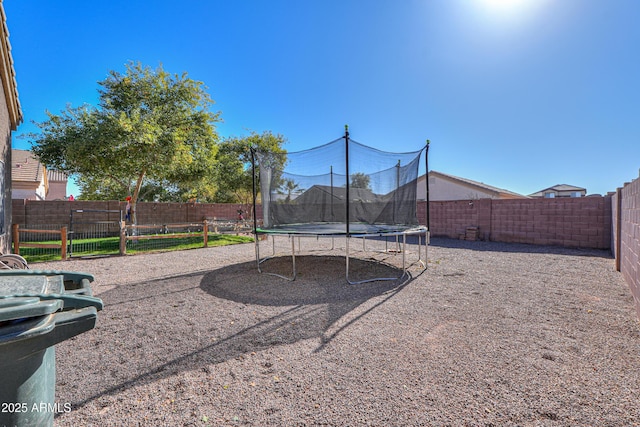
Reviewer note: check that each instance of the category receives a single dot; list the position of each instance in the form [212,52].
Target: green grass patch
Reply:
[111,246]
[36,255]
[182,243]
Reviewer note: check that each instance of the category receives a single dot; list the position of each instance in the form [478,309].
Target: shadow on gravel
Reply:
[320,280]
[443,242]
[245,312]
[315,302]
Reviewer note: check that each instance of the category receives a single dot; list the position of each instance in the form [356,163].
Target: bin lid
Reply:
[14,304]
[15,308]
[24,296]
[30,285]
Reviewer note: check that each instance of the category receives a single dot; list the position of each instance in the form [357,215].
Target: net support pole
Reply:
[255,220]
[426,161]
[253,187]
[395,193]
[346,149]
[331,176]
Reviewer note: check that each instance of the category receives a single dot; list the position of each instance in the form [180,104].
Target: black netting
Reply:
[310,187]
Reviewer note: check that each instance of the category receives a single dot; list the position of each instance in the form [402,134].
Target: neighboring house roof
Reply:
[54,175]
[480,186]
[558,188]
[337,193]
[31,180]
[25,167]
[8,75]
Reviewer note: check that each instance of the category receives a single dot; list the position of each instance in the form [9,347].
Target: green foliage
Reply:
[150,126]
[360,180]
[152,190]
[105,188]
[234,172]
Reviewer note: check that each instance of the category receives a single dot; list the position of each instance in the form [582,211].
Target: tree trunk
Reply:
[134,201]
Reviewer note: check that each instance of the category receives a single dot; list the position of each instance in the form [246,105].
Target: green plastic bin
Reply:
[38,309]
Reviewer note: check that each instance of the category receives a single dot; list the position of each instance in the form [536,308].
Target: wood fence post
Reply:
[15,230]
[63,245]
[205,233]
[123,238]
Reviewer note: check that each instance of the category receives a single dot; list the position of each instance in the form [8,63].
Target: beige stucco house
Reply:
[57,185]
[32,181]
[10,118]
[561,190]
[29,178]
[443,186]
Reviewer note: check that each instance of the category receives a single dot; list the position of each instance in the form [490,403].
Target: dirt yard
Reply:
[490,335]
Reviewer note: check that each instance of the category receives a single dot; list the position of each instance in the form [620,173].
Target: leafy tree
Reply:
[105,188]
[151,191]
[360,180]
[150,126]
[234,179]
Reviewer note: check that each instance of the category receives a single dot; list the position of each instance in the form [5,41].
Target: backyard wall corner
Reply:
[629,237]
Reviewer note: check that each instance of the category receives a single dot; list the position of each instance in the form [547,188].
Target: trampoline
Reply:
[342,189]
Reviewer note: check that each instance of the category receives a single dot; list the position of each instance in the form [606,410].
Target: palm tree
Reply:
[287,187]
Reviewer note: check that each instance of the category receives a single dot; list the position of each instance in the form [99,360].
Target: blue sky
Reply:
[518,94]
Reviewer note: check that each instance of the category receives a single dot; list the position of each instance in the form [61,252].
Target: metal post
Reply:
[346,145]
[331,176]
[395,196]
[426,161]
[253,186]
[346,250]
[293,257]
[71,234]
[255,220]
[404,250]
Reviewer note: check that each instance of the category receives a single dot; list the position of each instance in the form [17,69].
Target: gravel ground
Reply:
[490,335]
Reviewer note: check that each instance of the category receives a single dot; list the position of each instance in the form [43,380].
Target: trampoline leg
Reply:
[420,260]
[404,249]
[257,250]
[293,260]
[427,237]
[376,279]
[347,259]
[293,257]
[273,250]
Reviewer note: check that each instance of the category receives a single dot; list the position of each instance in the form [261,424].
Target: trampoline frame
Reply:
[350,230]
[421,233]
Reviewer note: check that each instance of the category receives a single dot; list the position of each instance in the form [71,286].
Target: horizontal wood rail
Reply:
[215,226]
[16,230]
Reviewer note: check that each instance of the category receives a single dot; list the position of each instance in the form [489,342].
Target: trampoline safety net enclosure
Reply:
[342,188]
[310,192]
